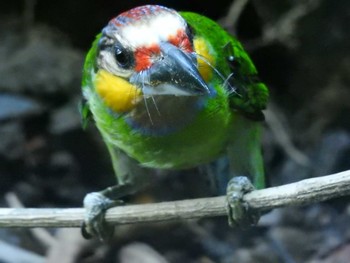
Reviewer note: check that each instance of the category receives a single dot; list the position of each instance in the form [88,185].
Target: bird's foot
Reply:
[239,213]
[96,204]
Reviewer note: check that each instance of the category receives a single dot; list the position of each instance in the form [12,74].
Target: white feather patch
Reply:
[145,33]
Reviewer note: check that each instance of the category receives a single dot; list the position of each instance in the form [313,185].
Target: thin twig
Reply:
[282,137]
[234,14]
[283,30]
[300,193]
[42,235]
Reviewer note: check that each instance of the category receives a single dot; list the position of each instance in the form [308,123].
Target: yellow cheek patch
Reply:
[117,93]
[202,49]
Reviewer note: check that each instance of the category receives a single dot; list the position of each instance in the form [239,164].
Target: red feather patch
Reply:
[143,56]
[181,40]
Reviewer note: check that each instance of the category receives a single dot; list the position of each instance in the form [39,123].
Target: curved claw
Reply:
[96,204]
[239,213]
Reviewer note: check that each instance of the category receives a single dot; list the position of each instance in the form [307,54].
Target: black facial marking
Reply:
[190,33]
[104,43]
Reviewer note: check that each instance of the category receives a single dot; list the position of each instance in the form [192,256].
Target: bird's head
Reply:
[144,52]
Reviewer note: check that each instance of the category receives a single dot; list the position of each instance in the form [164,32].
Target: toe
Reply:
[94,225]
[239,213]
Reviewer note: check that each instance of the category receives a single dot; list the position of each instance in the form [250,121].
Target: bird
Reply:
[172,90]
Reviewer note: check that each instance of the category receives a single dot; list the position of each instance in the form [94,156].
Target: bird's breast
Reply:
[171,132]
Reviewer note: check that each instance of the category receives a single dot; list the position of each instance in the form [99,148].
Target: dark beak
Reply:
[174,73]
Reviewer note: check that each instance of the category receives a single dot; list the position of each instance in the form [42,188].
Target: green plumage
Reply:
[251,95]
[225,123]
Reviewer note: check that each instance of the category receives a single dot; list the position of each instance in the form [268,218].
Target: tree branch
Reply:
[295,194]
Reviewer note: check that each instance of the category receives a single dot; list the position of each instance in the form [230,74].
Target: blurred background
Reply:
[301,50]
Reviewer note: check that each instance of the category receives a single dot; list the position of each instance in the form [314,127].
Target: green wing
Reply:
[85,113]
[250,95]
[247,94]
[89,65]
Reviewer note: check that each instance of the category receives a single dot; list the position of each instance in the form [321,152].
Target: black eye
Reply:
[122,57]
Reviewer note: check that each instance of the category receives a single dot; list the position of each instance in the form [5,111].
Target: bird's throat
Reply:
[165,114]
